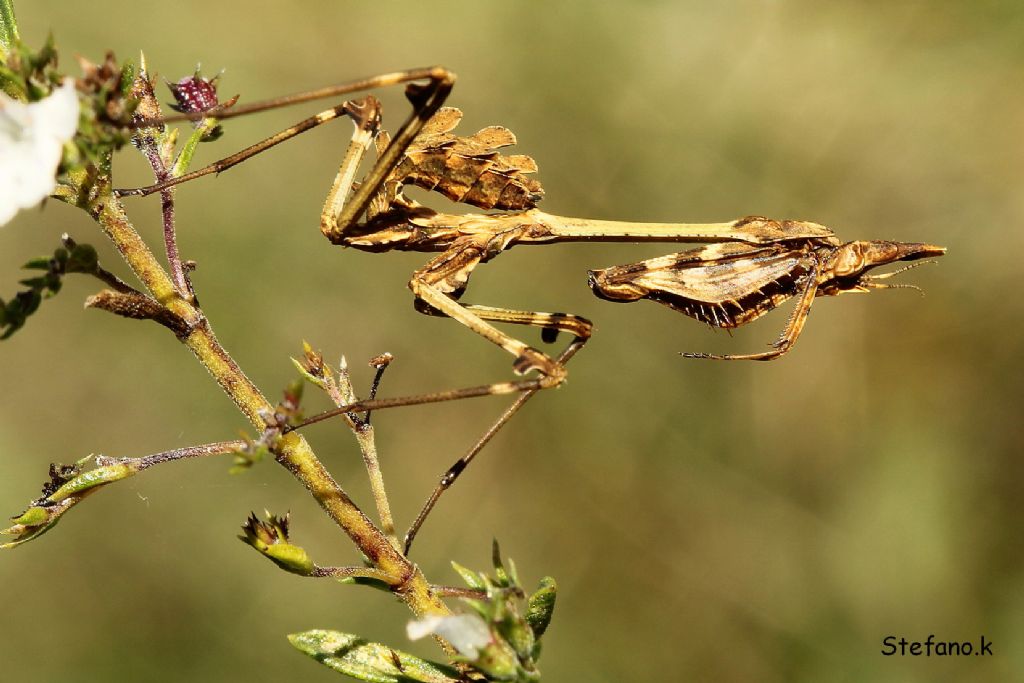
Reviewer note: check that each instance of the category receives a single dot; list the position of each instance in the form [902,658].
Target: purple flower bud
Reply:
[194,94]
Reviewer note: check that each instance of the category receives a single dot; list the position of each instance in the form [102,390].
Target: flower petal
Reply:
[32,138]
[467,633]
[57,115]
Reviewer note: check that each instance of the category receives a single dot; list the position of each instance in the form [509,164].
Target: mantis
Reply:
[728,285]
[751,265]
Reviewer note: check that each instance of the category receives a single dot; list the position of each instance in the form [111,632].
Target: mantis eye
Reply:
[850,260]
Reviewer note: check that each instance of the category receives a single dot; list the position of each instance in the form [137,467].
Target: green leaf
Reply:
[506,577]
[38,521]
[8,27]
[31,303]
[99,476]
[127,77]
[82,259]
[47,55]
[353,656]
[34,516]
[68,487]
[472,579]
[307,375]
[12,83]
[39,263]
[205,128]
[541,605]
[78,258]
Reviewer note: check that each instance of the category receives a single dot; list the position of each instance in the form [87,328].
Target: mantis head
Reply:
[848,265]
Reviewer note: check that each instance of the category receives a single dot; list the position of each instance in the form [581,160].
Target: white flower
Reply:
[466,632]
[32,137]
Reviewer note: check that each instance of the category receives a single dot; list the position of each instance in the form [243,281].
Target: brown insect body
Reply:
[751,265]
[728,285]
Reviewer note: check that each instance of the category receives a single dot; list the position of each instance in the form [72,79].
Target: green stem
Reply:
[188,150]
[8,27]
[291,450]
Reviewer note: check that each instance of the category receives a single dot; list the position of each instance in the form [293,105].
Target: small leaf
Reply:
[99,476]
[40,263]
[30,302]
[82,259]
[472,579]
[351,655]
[37,521]
[59,496]
[306,374]
[503,576]
[34,516]
[541,605]
[127,77]
[8,27]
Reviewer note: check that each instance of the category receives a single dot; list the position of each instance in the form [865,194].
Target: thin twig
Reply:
[365,437]
[420,399]
[145,462]
[291,450]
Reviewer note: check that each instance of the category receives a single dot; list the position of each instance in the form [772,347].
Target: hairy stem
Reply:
[291,450]
[349,572]
[363,431]
[167,214]
[147,461]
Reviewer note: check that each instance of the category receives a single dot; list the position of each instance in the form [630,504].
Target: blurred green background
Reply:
[755,522]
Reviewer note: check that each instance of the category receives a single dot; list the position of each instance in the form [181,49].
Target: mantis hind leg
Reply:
[789,335]
[550,323]
[456,469]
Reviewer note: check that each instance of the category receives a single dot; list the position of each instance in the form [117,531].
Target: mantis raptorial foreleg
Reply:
[448,272]
[426,100]
[752,265]
[342,212]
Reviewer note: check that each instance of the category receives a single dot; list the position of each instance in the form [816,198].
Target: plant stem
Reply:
[349,572]
[291,450]
[167,213]
[368,447]
[363,431]
[147,461]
